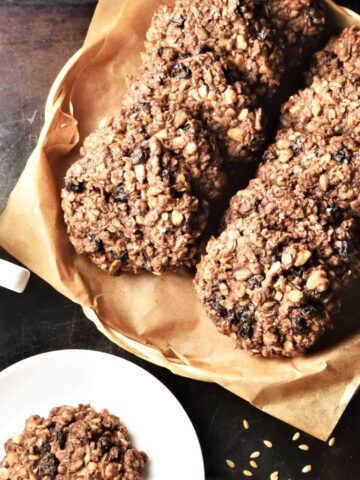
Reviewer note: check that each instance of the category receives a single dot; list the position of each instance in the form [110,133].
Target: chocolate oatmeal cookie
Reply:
[327,170]
[269,279]
[331,104]
[228,28]
[73,443]
[299,25]
[290,240]
[204,86]
[138,197]
[341,54]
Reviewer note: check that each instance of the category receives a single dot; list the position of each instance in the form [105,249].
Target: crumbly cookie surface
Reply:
[299,25]
[72,444]
[268,280]
[330,105]
[138,197]
[206,87]
[227,28]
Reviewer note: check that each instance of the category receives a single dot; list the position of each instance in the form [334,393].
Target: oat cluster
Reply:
[271,279]
[73,444]
[140,196]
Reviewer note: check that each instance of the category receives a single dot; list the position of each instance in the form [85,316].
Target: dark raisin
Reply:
[180,71]
[299,324]
[104,444]
[262,35]
[146,257]
[120,195]
[202,48]
[268,157]
[335,215]
[179,21]
[165,175]
[74,186]
[329,56]
[296,147]
[344,249]
[59,436]
[139,156]
[257,204]
[123,256]
[143,105]
[216,305]
[255,281]
[312,308]
[244,318]
[47,466]
[96,244]
[189,224]
[231,75]
[241,8]
[183,55]
[44,449]
[341,156]
[186,126]
[161,51]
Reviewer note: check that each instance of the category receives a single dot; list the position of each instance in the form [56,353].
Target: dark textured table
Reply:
[36,38]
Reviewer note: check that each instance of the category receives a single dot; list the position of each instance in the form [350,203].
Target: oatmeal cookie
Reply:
[269,279]
[327,170]
[138,197]
[331,104]
[73,443]
[300,25]
[231,29]
[342,54]
[205,87]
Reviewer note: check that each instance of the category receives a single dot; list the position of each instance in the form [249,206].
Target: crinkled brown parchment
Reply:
[158,318]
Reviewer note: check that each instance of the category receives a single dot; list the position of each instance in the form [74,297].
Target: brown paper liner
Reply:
[158,318]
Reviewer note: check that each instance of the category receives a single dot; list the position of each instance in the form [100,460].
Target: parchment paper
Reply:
[158,318]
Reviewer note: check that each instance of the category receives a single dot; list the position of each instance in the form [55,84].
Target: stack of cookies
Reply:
[271,278]
[140,196]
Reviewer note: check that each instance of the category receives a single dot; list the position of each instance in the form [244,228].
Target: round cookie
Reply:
[231,29]
[330,105]
[341,54]
[299,24]
[73,443]
[327,170]
[268,280]
[137,199]
[201,83]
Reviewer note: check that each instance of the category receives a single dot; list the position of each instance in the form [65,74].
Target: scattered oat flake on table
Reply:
[247,473]
[306,469]
[331,442]
[268,444]
[274,476]
[246,424]
[303,446]
[230,464]
[253,464]
[255,455]
[296,436]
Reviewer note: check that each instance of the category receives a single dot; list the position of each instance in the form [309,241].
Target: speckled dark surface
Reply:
[36,38]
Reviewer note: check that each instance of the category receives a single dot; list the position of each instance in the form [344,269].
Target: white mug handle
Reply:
[13,277]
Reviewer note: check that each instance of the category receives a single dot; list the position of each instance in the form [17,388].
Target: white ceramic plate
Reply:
[156,421]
